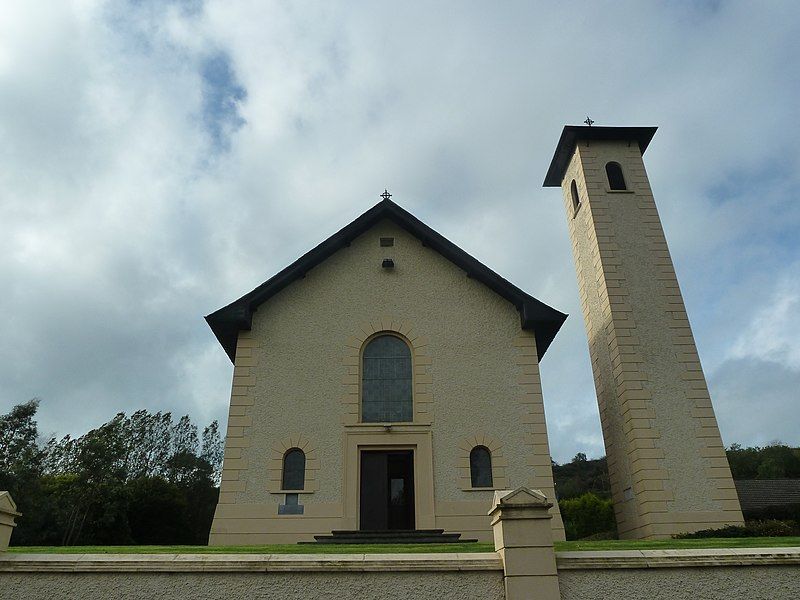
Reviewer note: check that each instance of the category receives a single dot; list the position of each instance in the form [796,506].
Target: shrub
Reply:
[588,515]
[769,528]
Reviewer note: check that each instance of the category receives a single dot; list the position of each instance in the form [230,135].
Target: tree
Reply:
[137,479]
[157,512]
[184,436]
[213,449]
[99,504]
[588,515]
[776,461]
[21,467]
[582,475]
[20,457]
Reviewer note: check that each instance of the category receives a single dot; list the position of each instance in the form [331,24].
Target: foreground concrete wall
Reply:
[753,583]
[768,574]
[755,574]
[254,586]
[252,577]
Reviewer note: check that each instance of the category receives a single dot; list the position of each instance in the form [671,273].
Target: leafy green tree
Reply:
[193,476]
[184,436]
[20,456]
[157,512]
[137,479]
[581,475]
[588,515]
[776,461]
[213,449]
[98,512]
[744,462]
[21,468]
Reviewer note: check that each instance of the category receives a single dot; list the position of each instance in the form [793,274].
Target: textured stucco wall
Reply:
[712,583]
[667,464]
[252,586]
[292,377]
[772,574]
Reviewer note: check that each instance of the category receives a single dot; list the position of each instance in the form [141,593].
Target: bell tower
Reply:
[666,462]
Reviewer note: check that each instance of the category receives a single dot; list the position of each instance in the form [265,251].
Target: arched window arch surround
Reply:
[278,449]
[616,179]
[351,367]
[293,473]
[404,409]
[498,462]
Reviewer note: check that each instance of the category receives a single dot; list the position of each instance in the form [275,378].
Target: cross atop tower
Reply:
[386,195]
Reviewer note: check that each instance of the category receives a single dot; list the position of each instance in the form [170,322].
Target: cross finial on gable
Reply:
[386,195]
[589,121]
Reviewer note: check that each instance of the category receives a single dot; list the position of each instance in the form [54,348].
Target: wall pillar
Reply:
[8,512]
[524,540]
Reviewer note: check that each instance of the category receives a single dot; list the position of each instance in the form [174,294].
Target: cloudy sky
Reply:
[158,159]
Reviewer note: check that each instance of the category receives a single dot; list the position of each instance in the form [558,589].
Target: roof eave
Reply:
[571,135]
[534,314]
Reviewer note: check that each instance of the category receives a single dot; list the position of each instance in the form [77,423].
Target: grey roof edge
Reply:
[572,134]
[535,315]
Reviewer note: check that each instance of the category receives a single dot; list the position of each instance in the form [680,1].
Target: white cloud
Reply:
[122,222]
[774,332]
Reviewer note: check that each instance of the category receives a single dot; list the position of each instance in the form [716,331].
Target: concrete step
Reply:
[397,536]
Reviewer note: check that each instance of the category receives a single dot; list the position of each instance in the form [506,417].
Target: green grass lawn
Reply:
[749,542]
[763,542]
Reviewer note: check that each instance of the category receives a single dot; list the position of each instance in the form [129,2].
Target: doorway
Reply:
[387,490]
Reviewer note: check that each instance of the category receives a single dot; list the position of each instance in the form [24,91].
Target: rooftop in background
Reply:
[758,494]
[572,134]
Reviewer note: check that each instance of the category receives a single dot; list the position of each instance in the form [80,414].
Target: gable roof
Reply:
[758,494]
[227,322]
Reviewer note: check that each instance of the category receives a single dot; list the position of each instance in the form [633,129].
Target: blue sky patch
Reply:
[222,95]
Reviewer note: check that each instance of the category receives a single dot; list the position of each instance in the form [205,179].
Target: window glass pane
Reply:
[615,179]
[480,467]
[386,381]
[294,470]
[576,200]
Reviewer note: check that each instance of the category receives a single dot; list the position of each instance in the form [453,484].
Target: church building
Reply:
[387,380]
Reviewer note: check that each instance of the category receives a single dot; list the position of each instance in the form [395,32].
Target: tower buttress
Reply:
[667,466]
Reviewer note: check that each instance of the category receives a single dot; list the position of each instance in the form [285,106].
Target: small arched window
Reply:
[615,179]
[480,467]
[294,469]
[386,381]
[576,199]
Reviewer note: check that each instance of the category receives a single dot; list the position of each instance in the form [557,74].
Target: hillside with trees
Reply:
[138,479]
[584,493]
[147,478]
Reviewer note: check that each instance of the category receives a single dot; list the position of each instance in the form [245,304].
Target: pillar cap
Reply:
[572,134]
[7,505]
[522,497]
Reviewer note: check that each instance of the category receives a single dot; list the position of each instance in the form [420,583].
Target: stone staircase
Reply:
[393,536]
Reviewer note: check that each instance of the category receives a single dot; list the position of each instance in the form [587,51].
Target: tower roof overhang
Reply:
[544,321]
[572,134]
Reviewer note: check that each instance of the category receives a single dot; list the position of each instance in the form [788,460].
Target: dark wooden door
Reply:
[387,490]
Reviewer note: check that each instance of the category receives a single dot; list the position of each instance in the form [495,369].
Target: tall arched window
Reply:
[386,381]
[615,179]
[576,199]
[294,469]
[480,467]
